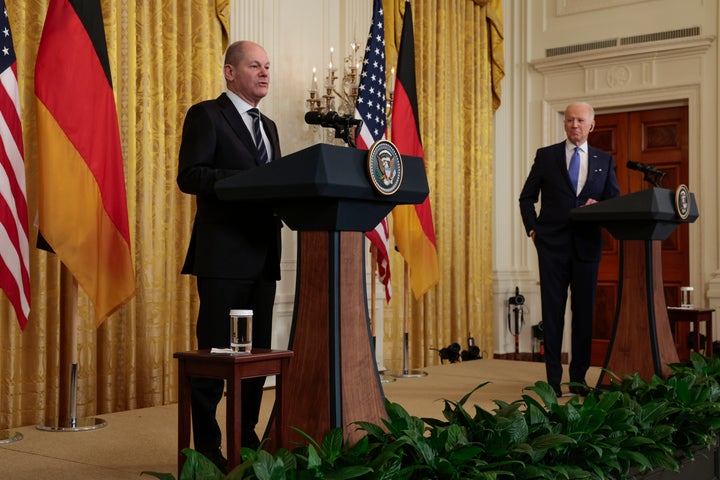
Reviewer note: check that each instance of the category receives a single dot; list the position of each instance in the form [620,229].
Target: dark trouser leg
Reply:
[206,394]
[554,279]
[263,298]
[217,297]
[582,303]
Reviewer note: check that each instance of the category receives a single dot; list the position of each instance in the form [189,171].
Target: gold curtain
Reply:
[459,65]
[164,56]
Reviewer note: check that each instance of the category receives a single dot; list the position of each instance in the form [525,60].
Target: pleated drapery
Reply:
[164,56]
[459,65]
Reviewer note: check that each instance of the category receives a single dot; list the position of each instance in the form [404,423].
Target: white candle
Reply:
[355,47]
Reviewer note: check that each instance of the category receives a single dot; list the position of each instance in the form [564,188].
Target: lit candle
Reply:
[313,81]
[391,87]
[355,47]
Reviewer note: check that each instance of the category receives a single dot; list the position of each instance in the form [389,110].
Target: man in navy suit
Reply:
[235,247]
[568,252]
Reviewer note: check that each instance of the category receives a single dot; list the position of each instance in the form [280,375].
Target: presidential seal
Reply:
[682,202]
[385,168]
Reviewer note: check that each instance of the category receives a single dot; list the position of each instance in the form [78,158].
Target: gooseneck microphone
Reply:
[331,119]
[650,173]
[341,123]
[641,167]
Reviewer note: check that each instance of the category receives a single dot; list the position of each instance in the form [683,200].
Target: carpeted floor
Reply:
[146,439]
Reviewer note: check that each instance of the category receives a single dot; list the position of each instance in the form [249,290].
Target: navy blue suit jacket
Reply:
[229,239]
[549,181]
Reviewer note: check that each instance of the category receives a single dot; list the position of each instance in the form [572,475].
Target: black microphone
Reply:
[641,167]
[313,118]
[331,119]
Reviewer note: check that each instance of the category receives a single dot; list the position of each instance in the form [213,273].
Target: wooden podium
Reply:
[641,340]
[324,192]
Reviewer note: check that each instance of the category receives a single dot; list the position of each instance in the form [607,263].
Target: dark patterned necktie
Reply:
[262,151]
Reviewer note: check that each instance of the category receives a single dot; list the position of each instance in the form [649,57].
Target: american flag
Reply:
[14,246]
[370,108]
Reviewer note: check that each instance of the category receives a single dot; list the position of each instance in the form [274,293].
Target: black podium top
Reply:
[325,187]
[645,215]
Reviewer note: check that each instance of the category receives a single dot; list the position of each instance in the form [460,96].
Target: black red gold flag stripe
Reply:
[82,208]
[413,227]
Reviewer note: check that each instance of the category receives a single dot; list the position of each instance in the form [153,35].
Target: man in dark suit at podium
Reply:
[564,176]
[235,247]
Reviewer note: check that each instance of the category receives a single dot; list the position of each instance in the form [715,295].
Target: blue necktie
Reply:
[262,151]
[574,168]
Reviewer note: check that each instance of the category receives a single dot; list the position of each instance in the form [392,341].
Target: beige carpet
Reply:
[146,439]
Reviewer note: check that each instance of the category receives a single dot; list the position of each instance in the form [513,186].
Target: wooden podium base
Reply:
[323,192]
[332,377]
[642,340]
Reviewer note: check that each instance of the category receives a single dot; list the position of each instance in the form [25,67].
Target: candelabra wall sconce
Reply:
[336,98]
[333,105]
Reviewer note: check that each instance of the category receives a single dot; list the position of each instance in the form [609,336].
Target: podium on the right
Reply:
[641,340]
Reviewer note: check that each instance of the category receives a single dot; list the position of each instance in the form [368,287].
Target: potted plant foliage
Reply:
[632,430]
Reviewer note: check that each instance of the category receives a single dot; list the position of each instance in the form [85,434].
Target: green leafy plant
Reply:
[620,432]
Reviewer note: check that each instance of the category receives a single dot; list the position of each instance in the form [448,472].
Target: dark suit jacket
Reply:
[549,181]
[229,239]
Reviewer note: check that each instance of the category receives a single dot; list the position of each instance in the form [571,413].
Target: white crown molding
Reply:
[677,47]
[571,7]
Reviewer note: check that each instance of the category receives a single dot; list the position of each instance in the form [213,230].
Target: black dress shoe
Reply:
[216,457]
[580,389]
[556,388]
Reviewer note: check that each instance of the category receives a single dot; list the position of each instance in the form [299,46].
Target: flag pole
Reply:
[10,436]
[373,272]
[69,356]
[406,372]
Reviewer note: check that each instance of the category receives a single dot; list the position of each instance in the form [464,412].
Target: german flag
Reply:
[412,224]
[82,204]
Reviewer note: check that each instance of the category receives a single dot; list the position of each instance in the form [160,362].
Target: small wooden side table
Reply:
[232,368]
[695,316]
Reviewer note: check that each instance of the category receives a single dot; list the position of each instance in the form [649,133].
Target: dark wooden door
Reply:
[656,137]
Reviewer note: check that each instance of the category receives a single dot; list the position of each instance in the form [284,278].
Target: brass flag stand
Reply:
[406,372]
[70,423]
[9,436]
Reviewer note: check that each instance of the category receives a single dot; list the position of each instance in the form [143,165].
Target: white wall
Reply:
[536,90]
[298,33]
